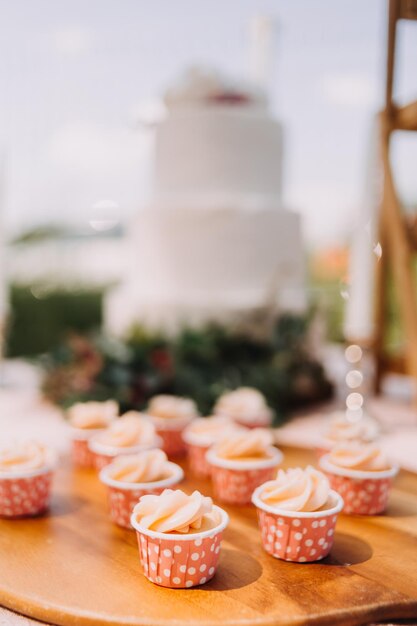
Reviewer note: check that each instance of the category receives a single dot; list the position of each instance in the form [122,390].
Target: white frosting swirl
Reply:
[342,429]
[245,405]
[175,512]
[132,429]
[172,407]
[245,444]
[359,456]
[297,490]
[205,431]
[24,457]
[90,415]
[145,467]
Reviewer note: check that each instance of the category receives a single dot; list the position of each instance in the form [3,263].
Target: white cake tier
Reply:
[210,154]
[194,266]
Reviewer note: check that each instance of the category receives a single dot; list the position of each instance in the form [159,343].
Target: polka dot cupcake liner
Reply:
[197,460]
[297,536]
[235,481]
[104,455]
[170,431]
[364,493]
[80,451]
[180,561]
[122,497]
[25,495]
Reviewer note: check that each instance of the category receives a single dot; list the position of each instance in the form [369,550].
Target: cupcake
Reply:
[341,429]
[362,475]
[242,461]
[131,476]
[86,419]
[130,434]
[297,514]
[246,406]
[179,537]
[200,435]
[26,471]
[170,416]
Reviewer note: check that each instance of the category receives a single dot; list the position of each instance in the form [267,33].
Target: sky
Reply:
[76,76]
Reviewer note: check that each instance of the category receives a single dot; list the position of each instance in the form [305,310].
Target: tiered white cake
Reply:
[216,241]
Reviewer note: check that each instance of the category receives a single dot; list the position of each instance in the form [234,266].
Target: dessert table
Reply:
[73,567]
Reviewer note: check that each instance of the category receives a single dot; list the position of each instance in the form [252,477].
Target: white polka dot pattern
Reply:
[24,497]
[81,454]
[362,497]
[236,486]
[172,442]
[179,563]
[197,461]
[122,501]
[296,539]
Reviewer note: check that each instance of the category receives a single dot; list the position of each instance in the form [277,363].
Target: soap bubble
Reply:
[354,379]
[353,353]
[354,401]
[377,250]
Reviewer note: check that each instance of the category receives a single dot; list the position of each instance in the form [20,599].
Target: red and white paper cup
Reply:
[170,430]
[80,451]
[364,493]
[180,561]
[103,454]
[297,535]
[235,481]
[123,496]
[25,494]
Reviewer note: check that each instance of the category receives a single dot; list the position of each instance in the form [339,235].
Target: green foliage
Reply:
[40,318]
[197,363]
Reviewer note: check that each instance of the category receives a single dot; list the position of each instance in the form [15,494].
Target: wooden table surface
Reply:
[74,567]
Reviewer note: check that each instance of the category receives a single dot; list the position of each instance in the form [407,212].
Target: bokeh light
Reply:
[353,353]
[354,401]
[354,379]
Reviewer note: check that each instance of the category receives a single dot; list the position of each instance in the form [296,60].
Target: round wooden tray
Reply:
[74,568]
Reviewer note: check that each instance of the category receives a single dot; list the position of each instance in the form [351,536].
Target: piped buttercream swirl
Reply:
[245,444]
[145,467]
[205,431]
[171,407]
[342,429]
[132,429]
[24,457]
[359,456]
[173,511]
[90,415]
[297,490]
[244,405]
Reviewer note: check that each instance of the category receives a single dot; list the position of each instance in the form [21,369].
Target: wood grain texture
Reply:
[74,568]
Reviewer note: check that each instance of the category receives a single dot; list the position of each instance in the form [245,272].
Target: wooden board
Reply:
[74,568]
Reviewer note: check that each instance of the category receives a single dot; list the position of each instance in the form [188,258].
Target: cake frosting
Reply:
[297,490]
[148,466]
[173,511]
[205,431]
[245,444]
[132,429]
[245,405]
[172,407]
[342,429]
[359,456]
[24,457]
[91,415]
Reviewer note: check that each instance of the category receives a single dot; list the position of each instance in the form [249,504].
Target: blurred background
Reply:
[189,192]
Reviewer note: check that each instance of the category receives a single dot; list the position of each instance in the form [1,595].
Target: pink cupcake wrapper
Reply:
[197,460]
[362,496]
[235,486]
[235,481]
[81,453]
[104,455]
[299,537]
[179,561]
[25,496]
[122,498]
[172,442]
[364,493]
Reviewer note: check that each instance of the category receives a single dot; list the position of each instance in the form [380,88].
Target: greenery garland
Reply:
[198,363]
